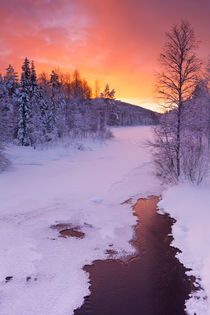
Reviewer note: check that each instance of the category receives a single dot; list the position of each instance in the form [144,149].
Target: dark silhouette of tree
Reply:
[107,93]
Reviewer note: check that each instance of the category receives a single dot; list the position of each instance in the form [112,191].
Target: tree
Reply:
[176,84]
[196,132]
[58,107]
[76,84]
[25,124]
[11,100]
[86,90]
[46,123]
[79,87]
[107,93]
[97,89]
[38,109]
[11,80]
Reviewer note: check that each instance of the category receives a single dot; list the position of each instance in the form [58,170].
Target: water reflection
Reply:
[153,283]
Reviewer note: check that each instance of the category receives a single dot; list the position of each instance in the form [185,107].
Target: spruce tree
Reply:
[25,124]
[45,110]
[12,93]
[58,107]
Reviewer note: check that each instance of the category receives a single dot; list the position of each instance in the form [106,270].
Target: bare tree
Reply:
[176,84]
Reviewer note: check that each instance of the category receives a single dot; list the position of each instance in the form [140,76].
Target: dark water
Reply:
[152,283]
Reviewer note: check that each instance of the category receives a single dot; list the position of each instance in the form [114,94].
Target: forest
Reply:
[41,109]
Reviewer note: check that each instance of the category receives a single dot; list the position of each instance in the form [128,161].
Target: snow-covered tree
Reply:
[12,93]
[195,148]
[57,107]
[3,124]
[39,110]
[46,120]
[11,81]
[25,120]
[37,101]
[176,85]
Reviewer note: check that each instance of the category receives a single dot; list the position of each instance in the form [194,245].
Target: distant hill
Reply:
[124,114]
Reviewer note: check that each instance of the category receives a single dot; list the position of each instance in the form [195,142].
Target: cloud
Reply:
[113,40]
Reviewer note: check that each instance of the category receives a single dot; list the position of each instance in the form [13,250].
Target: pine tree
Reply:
[12,92]
[2,109]
[58,107]
[3,125]
[11,81]
[107,94]
[25,124]
[35,99]
[45,110]
[6,111]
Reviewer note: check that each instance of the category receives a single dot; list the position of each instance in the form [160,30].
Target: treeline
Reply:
[36,110]
[119,113]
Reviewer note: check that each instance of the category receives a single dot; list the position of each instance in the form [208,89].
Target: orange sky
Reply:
[115,41]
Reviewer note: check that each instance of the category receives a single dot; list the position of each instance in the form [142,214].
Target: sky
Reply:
[112,41]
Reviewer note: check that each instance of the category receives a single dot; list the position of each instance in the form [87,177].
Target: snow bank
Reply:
[84,188]
[190,206]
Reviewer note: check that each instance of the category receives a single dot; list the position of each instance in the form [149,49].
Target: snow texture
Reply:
[83,188]
[190,206]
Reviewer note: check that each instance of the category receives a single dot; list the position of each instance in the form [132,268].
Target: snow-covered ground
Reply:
[190,206]
[86,187]
[83,188]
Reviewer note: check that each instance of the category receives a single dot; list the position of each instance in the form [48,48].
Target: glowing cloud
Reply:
[115,41]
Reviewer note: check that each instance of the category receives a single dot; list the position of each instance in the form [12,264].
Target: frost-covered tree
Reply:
[4,110]
[57,106]
[176,84]
[77,119]
[37,104]
[39,110]
[25,120]
[3,124]
[11,81]
[46,121]
[11,100]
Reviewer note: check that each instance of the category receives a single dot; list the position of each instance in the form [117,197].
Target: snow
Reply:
[84,184]
[190,206]
[62,184]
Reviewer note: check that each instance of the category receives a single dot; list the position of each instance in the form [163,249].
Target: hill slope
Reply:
[124,114]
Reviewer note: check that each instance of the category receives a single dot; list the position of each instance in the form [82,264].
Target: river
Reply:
[151,283]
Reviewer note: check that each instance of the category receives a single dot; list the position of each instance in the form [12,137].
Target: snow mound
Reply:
[190,206]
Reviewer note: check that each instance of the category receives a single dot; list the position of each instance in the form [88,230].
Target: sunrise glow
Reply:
[110,41]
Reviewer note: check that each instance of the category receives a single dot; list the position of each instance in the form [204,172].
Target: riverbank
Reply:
[190,206]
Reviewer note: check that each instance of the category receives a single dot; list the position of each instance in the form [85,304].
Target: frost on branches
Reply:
[181,146]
